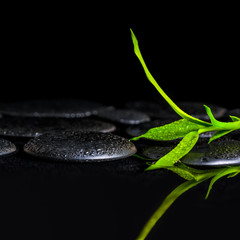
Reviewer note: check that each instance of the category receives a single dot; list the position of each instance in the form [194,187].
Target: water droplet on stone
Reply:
[7,147]
[80,146]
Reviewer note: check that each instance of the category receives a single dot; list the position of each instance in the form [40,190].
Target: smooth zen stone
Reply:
[80,147]
[32,127]
[124,116]
[155,152]
[6,147]
[217,154]
[66,108]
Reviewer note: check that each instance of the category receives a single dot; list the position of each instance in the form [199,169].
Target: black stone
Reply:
[6,147]
[125,116]
[234,112]
[68,108]
[234,135]
[32,127]
[72,146]
[217,154]
[155,152]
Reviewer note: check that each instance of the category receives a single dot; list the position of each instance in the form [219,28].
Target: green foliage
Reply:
[179,111]
[189,128]
[178,152]
[193,177]
[170,131]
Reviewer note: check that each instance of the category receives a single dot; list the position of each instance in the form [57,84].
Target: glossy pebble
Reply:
[125,116]
[217,154]
[72,146]
[6,147]
[32,127]
[69,108]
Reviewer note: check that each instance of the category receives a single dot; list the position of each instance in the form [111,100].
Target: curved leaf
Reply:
[222,125]
[170,131]
[235,119]
[167,202]
[186,144]
[219,134]
[232,171]
[179,111]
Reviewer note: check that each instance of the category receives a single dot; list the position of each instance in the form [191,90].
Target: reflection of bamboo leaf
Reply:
[167,202]
[195,177]
[231,171]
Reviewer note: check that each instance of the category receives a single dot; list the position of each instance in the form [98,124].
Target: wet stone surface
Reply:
[32,127]
[134,131]
[124,116]
[79,146]
[6,147]
[69,108]
[220,153]
[156,151]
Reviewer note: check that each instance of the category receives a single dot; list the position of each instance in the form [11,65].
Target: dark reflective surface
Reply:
[111,200]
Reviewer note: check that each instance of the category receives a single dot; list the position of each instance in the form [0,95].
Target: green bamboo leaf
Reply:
[179,111]
[232,171]
[234,119]
[184,173]
[168,160]
[170,131]
[219,134]
[222,125]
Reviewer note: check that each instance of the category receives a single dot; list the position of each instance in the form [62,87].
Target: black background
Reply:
[86,52]
[58,52]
